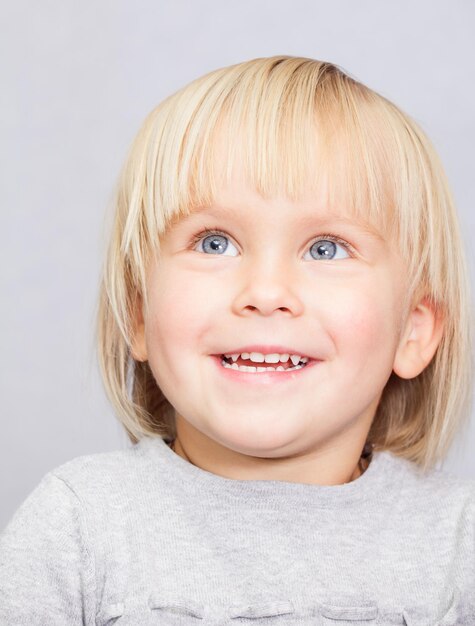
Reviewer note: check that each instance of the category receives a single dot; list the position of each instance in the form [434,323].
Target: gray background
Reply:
[77,80]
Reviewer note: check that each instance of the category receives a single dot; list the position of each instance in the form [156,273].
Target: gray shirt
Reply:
[141,536]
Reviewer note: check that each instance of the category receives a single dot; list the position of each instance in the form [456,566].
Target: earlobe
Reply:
[138,346]
[420,339]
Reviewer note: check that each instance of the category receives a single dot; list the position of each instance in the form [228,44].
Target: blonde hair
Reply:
[293,122]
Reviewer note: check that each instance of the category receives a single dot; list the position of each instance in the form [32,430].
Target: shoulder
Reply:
[55,541]
[437,492]
[97,462]
[63,492]
[93,476]
[82,499]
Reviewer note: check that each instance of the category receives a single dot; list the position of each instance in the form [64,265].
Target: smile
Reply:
[264,364]
[286,362]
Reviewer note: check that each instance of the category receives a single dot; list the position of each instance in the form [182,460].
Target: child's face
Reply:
[274,287]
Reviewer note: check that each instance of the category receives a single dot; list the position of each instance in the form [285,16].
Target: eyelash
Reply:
[326,236]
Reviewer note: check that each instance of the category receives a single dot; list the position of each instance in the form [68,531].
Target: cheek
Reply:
[364,322]
[180,311]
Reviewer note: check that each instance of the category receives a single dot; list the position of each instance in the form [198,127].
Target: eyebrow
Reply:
[364,226]
[310,220]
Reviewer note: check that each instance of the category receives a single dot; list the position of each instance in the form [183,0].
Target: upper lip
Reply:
[273,349]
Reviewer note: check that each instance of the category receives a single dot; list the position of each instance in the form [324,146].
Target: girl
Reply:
[284,332]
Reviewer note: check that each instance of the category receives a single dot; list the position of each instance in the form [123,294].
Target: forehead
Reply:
[236,197]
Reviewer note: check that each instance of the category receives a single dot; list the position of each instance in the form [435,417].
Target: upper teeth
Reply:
[258,357]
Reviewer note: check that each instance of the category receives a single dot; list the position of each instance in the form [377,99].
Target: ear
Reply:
[419,340]
[138,346]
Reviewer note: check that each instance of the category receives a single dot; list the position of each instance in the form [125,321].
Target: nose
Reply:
[267,284]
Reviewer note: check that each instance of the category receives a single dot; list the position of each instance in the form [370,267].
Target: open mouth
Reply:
[271,363]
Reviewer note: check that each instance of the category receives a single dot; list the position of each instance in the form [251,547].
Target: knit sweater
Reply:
[141,536]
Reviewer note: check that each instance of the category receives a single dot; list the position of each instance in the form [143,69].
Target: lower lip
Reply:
[263,378]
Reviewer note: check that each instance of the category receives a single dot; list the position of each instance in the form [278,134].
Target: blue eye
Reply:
[327,250]
[215,243]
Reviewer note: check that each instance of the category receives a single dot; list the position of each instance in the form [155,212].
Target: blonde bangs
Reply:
[291,126]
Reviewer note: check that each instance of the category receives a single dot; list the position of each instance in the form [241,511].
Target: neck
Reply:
[361,467]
